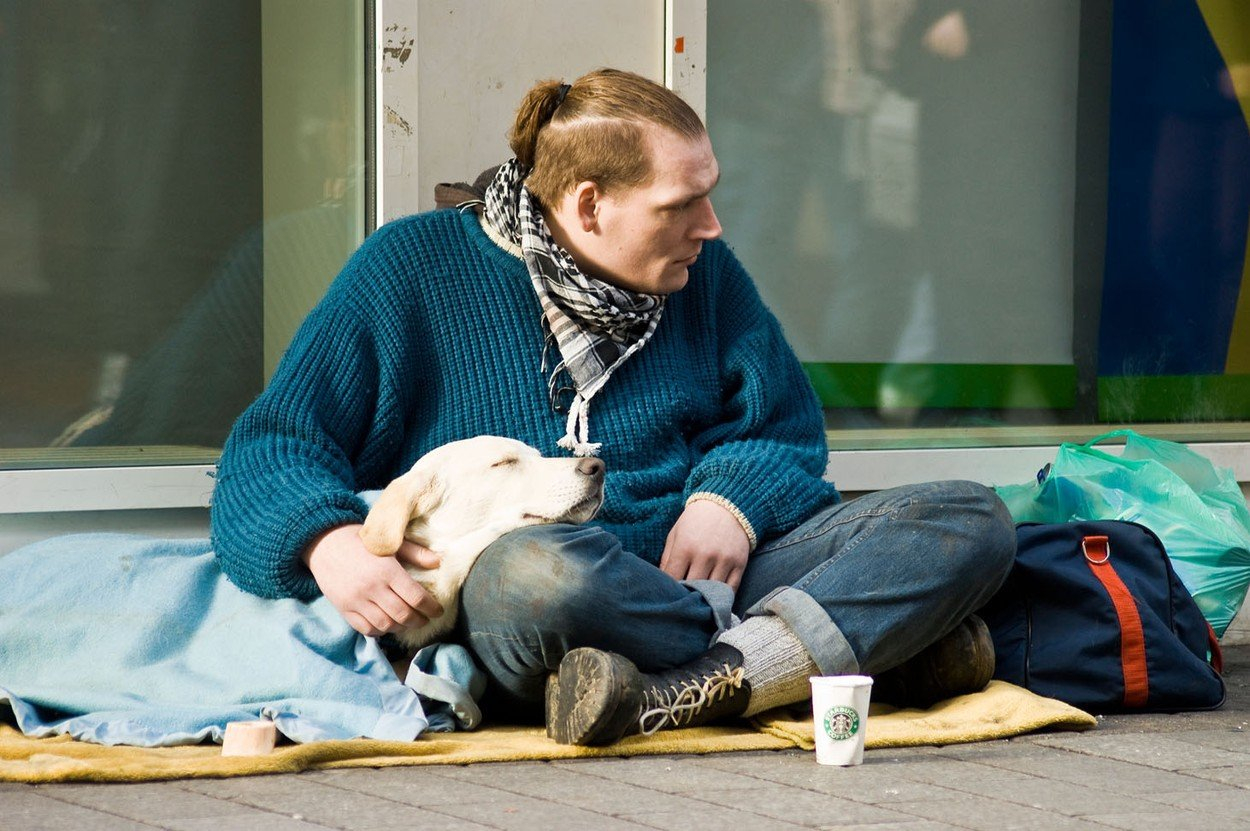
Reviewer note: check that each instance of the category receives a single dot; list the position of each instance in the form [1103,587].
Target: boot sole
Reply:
[584,698]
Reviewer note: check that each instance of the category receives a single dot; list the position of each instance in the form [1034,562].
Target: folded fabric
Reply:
[1000,712]
[121,639]
[124,640]
[449,683]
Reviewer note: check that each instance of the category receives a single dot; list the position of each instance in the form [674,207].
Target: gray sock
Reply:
[774,662]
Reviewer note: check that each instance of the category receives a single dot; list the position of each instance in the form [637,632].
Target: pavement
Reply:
[1174,772]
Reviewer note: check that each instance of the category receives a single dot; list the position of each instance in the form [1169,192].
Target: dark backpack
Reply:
[1093,614]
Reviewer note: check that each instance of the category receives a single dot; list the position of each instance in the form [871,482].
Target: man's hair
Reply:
[594,129]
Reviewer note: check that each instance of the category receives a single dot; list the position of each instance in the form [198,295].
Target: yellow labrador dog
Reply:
[459,498]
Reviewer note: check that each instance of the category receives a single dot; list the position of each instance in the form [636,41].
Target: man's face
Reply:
[647,237]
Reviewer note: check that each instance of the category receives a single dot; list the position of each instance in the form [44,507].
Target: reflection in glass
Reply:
[903,178]
[157,194]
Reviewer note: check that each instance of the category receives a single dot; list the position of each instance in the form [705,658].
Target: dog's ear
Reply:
[405,499]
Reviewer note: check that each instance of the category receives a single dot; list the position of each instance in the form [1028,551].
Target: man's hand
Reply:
[374,594]
[706,543]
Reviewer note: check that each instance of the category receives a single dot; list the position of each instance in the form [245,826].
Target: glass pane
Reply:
[995,223]
[179,181]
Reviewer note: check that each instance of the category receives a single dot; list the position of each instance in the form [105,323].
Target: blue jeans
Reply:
[864,585]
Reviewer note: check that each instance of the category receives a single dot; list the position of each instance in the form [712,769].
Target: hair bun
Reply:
[537,108]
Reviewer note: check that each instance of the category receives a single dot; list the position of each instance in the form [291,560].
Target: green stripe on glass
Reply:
[1174,398]
[945,386]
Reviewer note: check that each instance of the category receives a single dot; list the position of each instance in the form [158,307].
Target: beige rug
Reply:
[1001,711]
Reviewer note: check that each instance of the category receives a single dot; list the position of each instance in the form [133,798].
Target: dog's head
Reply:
[484,486]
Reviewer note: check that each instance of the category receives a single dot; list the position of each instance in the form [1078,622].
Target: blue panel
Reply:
[1178,196]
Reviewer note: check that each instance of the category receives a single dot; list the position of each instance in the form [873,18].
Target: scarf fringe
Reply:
[577,429]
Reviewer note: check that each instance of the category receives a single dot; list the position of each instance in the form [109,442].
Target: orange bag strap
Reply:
[1217,655]
[1097,550]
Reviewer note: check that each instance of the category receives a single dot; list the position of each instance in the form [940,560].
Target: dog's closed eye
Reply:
[506,462]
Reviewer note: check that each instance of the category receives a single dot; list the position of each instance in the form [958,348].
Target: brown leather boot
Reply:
[599,697]
[958,663]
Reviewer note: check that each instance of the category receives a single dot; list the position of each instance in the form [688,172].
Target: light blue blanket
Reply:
[121,639]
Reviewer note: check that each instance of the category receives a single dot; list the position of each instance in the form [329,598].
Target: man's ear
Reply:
[586,199]
[409,497]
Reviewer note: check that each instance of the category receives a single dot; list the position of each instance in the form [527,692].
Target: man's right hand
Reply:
[374,594]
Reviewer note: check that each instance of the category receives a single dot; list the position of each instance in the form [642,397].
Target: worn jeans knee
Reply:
[864,584]
[891,571]
[539,592]
[992,533]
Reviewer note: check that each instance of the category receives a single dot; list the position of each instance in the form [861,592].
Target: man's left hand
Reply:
[706,543]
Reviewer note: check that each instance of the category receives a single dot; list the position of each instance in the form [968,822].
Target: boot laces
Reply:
[681,702]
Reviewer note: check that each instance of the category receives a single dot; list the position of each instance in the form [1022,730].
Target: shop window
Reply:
[179,181]
[994,223]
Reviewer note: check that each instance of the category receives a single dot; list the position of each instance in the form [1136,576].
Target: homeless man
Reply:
[586,305]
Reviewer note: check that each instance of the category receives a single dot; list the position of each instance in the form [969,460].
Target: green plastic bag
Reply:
[1196,510]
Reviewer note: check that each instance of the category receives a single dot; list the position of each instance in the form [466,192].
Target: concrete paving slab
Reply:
[576,788]
[802,806]
[713,818]
[1109,775]
[1232,739]
[303,798]
[1168,818]
[524,813]
[1237,776]
[986,752]
[419,786]
[936,770]
[256,821]
[982,814]
[1152,750]
[1164,723]
[667,774]
[1226,804]
[912,825]
[870,784]
[30,810]
[1062,798]
[1150,772]
[149,802]
[442,823]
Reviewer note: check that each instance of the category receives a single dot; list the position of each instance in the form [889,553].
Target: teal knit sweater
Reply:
[432,333]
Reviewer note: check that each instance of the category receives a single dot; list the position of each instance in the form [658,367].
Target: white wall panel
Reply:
[453,71]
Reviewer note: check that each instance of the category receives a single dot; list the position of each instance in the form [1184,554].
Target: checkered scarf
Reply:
[595,325]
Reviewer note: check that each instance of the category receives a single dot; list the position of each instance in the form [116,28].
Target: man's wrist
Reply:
[307,554]
[717,499]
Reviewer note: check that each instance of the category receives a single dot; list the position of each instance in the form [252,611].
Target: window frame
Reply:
[64,489]
[53,490]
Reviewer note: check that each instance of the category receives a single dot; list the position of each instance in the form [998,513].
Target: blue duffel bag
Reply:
[1093,614]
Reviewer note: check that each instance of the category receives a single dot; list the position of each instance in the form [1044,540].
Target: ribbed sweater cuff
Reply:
[304,527]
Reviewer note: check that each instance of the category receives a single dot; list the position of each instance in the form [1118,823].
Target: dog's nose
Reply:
[591,466]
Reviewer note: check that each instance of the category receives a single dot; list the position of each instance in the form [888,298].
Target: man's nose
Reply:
[707,226]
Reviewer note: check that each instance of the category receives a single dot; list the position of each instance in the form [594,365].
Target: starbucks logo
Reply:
[841,723]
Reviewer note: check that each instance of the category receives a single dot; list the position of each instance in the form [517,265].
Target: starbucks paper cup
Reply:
[840,713]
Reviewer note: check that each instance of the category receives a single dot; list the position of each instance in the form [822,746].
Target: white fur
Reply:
[461,497]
